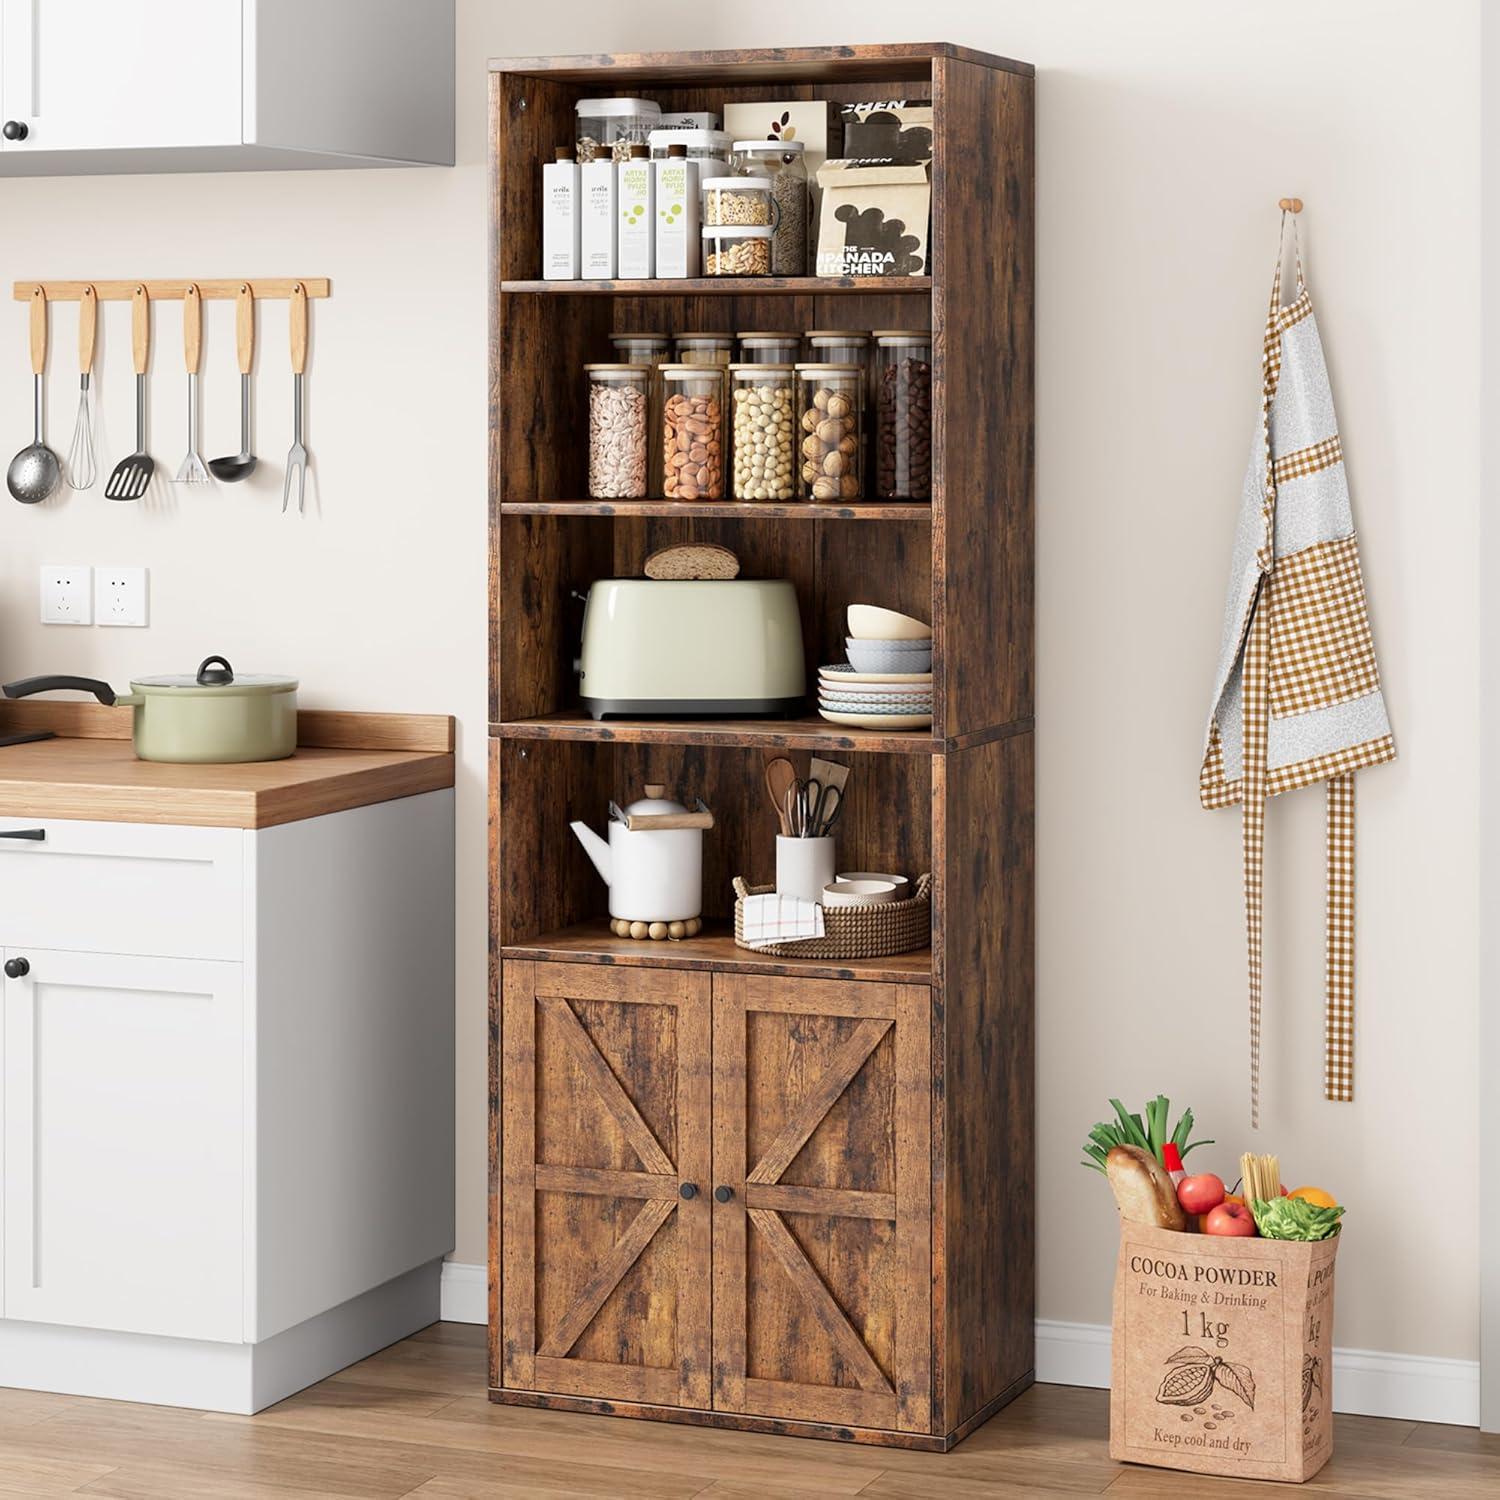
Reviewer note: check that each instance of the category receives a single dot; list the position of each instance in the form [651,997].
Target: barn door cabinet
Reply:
[215,85]
[730,1189]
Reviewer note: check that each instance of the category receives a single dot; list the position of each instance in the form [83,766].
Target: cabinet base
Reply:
[238,1378]
[692,1417]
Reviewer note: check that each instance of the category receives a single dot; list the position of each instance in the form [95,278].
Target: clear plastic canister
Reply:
[609,127]
[693,432]
[617,431]
[739,250]
[764,431]
[828,400]
[903,414]
[736,202]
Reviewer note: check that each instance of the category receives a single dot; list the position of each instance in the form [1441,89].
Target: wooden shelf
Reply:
[749,510]
[714,949]
[808,733]
[729,286]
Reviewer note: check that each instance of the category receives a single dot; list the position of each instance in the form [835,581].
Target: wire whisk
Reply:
[82,468]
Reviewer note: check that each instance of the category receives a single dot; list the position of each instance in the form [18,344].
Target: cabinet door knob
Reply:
[688,1190]
[17,968]
[15,130]
[722,1192]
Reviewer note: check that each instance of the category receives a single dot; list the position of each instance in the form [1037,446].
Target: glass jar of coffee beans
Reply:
[903,414]
[829,428]
[764,430]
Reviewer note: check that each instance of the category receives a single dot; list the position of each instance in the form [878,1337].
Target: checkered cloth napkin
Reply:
[772,919]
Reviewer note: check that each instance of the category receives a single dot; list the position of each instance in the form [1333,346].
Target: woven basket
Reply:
[875,931]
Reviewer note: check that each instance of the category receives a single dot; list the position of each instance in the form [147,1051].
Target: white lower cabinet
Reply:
[226,1099]
[124,1142]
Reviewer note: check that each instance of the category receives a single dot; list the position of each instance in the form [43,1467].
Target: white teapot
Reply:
[653,862]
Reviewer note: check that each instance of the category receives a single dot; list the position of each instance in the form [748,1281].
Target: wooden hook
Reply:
[38,330]
[1291,205]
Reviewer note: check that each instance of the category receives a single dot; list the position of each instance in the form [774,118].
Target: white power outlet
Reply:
[120,596]
[67,595]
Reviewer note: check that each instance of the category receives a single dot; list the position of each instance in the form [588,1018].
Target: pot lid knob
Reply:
[655,790]
[210,675]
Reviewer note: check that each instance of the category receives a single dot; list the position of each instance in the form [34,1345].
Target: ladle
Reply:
[242,464]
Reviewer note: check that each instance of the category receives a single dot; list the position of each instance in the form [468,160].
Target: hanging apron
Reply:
[1296,694]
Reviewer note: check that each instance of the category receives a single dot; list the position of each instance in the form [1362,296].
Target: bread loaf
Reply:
[694,560]
[1142,1189]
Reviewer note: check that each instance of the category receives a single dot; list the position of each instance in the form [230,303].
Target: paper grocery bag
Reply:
[1223,1354]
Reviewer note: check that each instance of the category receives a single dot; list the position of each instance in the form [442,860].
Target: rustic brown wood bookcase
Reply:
[865,1268]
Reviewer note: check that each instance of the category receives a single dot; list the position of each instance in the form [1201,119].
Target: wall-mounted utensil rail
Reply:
[226,289]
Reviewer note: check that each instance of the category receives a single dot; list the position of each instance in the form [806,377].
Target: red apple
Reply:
[1231,1219]
[1199,1194]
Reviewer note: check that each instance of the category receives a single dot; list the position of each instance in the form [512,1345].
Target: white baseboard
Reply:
[1366,1383]
[466,1293]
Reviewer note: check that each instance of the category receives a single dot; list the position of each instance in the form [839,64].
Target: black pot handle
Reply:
[29,685]
[215,676]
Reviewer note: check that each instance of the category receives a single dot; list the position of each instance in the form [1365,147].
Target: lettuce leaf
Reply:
[1295,1219]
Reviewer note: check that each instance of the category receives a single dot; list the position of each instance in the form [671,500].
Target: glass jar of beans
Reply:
[693,432]
[828,401]
[618,407]
[764,431]
[737,251]
[903,414]
[737,202]
[654,350]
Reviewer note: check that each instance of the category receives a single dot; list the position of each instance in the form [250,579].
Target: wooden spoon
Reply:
[781,777]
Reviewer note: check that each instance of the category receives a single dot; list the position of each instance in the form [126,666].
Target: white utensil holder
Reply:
[803,867]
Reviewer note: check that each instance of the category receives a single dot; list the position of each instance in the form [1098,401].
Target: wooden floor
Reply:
[413,1420]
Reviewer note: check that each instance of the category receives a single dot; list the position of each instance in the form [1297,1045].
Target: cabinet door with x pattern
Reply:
[605,1156]
[822,1216]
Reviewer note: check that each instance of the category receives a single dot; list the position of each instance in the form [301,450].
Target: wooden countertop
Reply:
[97,776]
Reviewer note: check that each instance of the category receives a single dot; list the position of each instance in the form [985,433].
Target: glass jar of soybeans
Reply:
[764,432]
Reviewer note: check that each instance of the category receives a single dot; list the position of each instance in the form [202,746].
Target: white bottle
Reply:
[562,219]
[636,215]
[600,223]
[679,244]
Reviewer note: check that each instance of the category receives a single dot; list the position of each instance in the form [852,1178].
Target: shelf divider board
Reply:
[812,733]
[727,286]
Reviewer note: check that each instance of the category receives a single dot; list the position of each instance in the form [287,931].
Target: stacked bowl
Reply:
[887,681]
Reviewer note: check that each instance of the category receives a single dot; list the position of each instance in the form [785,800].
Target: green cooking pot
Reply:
[210,718]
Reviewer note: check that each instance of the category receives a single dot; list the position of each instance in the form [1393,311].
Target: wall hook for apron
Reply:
[1296,696]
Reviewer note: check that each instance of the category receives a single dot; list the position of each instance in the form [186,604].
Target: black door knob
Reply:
[722,1193]
[17,968]
[689,1190]
[15,130]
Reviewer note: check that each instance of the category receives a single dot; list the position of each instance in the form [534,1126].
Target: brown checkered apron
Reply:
[1298,632]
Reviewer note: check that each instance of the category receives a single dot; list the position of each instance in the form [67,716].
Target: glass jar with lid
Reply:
[702,348]
[693,432]
[609,127]
[764,432]
[903,414]
[736,202]
[829,411]
[652,350]
[617,431]
[783,163]
[770,348]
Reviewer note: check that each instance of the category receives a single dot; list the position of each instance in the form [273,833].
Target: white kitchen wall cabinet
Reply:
[212,85]
[226,1099]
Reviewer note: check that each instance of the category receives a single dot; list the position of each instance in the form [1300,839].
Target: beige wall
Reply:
[1167,129]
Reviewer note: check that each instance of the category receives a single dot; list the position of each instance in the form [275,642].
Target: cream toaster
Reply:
[692,646]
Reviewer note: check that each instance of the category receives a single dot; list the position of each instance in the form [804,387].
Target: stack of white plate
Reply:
[887,682]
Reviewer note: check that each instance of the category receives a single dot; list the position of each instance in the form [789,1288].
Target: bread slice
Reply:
[693,560]
[1143,1190]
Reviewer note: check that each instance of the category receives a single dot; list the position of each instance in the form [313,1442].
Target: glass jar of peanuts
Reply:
[739,251]
[903,414]
[828,402]
[618,408]
[764,429]
[770,348]
[738,201]
[693,432]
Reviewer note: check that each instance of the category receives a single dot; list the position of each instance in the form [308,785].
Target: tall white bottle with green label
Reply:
[679,242]
[636,206]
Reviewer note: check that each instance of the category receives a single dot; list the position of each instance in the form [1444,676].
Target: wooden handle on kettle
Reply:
[244,326]
[88,328]
[140,327]
[38,331]
[192,326]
